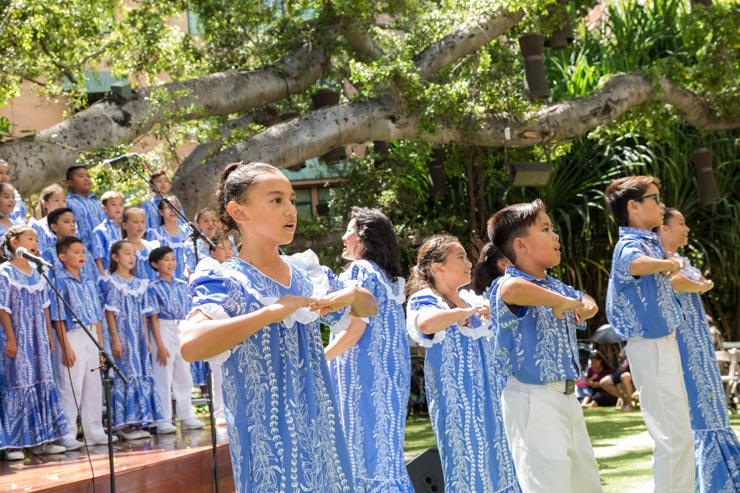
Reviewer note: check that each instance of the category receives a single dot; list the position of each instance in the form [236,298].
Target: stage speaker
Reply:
[425,472]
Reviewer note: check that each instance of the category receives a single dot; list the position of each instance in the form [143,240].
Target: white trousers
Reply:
[549,441]
[656,369]
[87,385]
[175,376]
[218,394]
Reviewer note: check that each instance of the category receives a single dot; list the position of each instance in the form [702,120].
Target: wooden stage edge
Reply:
[181,463]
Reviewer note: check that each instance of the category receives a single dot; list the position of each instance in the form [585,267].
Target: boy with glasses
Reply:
[643,309]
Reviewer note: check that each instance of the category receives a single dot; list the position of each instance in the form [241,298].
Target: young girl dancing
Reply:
[716,446]
[126,308]
[32,414]
[463,386]
[263,310]
[369,362]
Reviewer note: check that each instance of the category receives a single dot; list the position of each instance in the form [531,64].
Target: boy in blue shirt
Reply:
[643,309]
[536,317]
[84,204]
[109,231]
[78,354]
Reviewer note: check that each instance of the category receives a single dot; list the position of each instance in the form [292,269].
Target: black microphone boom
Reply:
[22,252]
[110,163]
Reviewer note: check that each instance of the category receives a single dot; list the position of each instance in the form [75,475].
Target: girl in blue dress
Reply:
[133,225]
[369,362]
[716,446]
[260,312]
[126,308]
[32,414]
[7,205]
[463,387]
[52,198]
[171,234]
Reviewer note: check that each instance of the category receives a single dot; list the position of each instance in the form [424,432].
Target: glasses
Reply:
[655,196]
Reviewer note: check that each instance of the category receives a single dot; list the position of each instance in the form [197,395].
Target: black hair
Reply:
[622,190]
[54,215]
[434,250]
[378,239]
[63,244]
[487,269]
[114,249]
[72,169]
[163,204]
[512,222]
[13,233]
[158,254]
[234,184]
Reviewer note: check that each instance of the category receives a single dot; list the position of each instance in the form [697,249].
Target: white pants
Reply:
[218,394]
[87,385]
[655,365]
[175,375]
[549,441]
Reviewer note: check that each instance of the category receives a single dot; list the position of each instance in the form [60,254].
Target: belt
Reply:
[566,387]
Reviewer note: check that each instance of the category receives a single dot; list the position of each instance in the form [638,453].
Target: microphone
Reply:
[110,163]
[22,252]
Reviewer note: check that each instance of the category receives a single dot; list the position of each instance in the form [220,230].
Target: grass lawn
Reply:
[621,443]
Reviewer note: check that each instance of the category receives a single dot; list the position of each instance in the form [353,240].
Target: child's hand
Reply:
[678,265]
[482,311]
[708,284]
[567,305]
[11,348]
[51,344]
[69,357]
[289,303]
[587,312]
[162,356]
[116,348]
[334,301]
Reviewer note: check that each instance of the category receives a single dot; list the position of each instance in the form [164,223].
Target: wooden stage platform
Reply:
[181,463]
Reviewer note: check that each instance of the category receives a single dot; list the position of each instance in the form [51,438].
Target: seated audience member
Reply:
[622,375]
[598,370]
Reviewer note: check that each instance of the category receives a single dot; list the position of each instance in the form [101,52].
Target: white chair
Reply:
[728,368]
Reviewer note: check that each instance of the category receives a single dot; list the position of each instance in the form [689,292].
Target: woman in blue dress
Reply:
[126,307]
[370,363]
[171,234]
[463,386]
[259,313]
[716,446]
[32,414]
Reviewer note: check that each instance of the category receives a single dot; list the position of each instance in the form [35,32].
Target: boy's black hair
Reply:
[622,190]
[64,243]
[512,222]
[72,169]
[158,254]
[53,216]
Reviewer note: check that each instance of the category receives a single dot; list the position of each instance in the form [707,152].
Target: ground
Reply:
[622,445]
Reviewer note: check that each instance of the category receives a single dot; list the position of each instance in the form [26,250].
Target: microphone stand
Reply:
[195,234]
[106,366]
